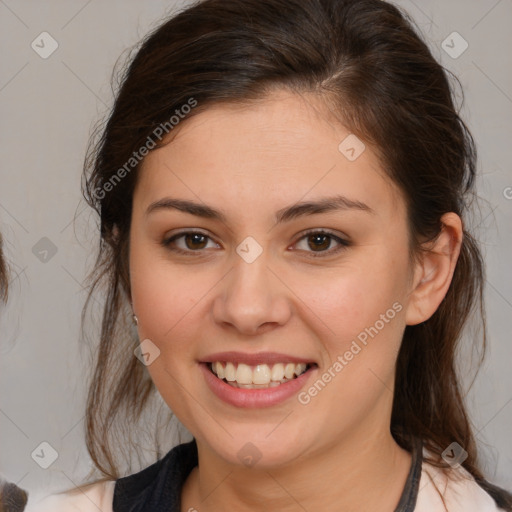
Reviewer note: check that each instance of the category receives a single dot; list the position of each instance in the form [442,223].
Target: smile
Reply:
[255,380]
[259,376]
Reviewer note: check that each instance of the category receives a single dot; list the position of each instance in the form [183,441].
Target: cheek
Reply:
[352,298]
[163,295]
[164,300]
[358,316]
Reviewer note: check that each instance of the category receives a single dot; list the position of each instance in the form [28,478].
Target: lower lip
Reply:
[253,398]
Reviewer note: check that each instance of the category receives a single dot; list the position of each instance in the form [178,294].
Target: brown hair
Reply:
[12,497]
[4,282]
[368,63]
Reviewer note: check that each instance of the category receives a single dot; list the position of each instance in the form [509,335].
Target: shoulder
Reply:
[95,497]
[453,490]
[126,493]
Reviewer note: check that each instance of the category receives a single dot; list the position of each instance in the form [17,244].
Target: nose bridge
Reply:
[252,295]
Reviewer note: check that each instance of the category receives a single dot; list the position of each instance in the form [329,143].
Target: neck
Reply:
[363,472]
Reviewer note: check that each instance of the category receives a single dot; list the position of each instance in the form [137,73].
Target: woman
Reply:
[282,187]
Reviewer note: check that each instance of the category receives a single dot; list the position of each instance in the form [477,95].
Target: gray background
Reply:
[48,108]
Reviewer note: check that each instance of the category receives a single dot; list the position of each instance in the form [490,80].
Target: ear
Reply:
[434,271]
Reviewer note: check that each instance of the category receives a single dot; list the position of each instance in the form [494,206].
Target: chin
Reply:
[255,448]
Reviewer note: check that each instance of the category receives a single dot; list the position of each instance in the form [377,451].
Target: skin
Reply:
[336,452]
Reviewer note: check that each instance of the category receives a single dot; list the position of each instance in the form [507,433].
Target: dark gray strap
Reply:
[409,496]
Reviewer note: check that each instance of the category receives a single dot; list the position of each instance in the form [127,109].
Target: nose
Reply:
[251,298]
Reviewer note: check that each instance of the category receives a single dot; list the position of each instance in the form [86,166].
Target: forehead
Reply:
[278,150]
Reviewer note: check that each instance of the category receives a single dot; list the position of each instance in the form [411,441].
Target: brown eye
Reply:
[320,242]
[187,242]
[194,241]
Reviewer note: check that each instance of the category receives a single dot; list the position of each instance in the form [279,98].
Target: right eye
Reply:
[192,242]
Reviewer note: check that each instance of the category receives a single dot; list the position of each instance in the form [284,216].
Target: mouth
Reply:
[259,376]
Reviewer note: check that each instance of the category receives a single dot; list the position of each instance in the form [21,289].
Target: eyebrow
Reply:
[326,204]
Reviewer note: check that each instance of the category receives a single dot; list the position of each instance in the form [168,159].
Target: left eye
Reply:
[322,240]
[196,241]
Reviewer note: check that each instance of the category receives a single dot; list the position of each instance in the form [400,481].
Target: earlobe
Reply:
[434,271]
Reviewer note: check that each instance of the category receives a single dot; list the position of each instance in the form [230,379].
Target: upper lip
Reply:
[254,359]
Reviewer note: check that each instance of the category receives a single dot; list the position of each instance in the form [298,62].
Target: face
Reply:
[264,286]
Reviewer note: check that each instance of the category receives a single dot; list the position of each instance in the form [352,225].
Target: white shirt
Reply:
[439,491]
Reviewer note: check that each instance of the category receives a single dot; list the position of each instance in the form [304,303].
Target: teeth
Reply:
[260,376]
[244,374]
[289,371]
[229,372]
[300,368]
[219,369]
[278,372]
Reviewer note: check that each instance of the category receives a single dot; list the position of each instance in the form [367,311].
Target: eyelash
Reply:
[343,243]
